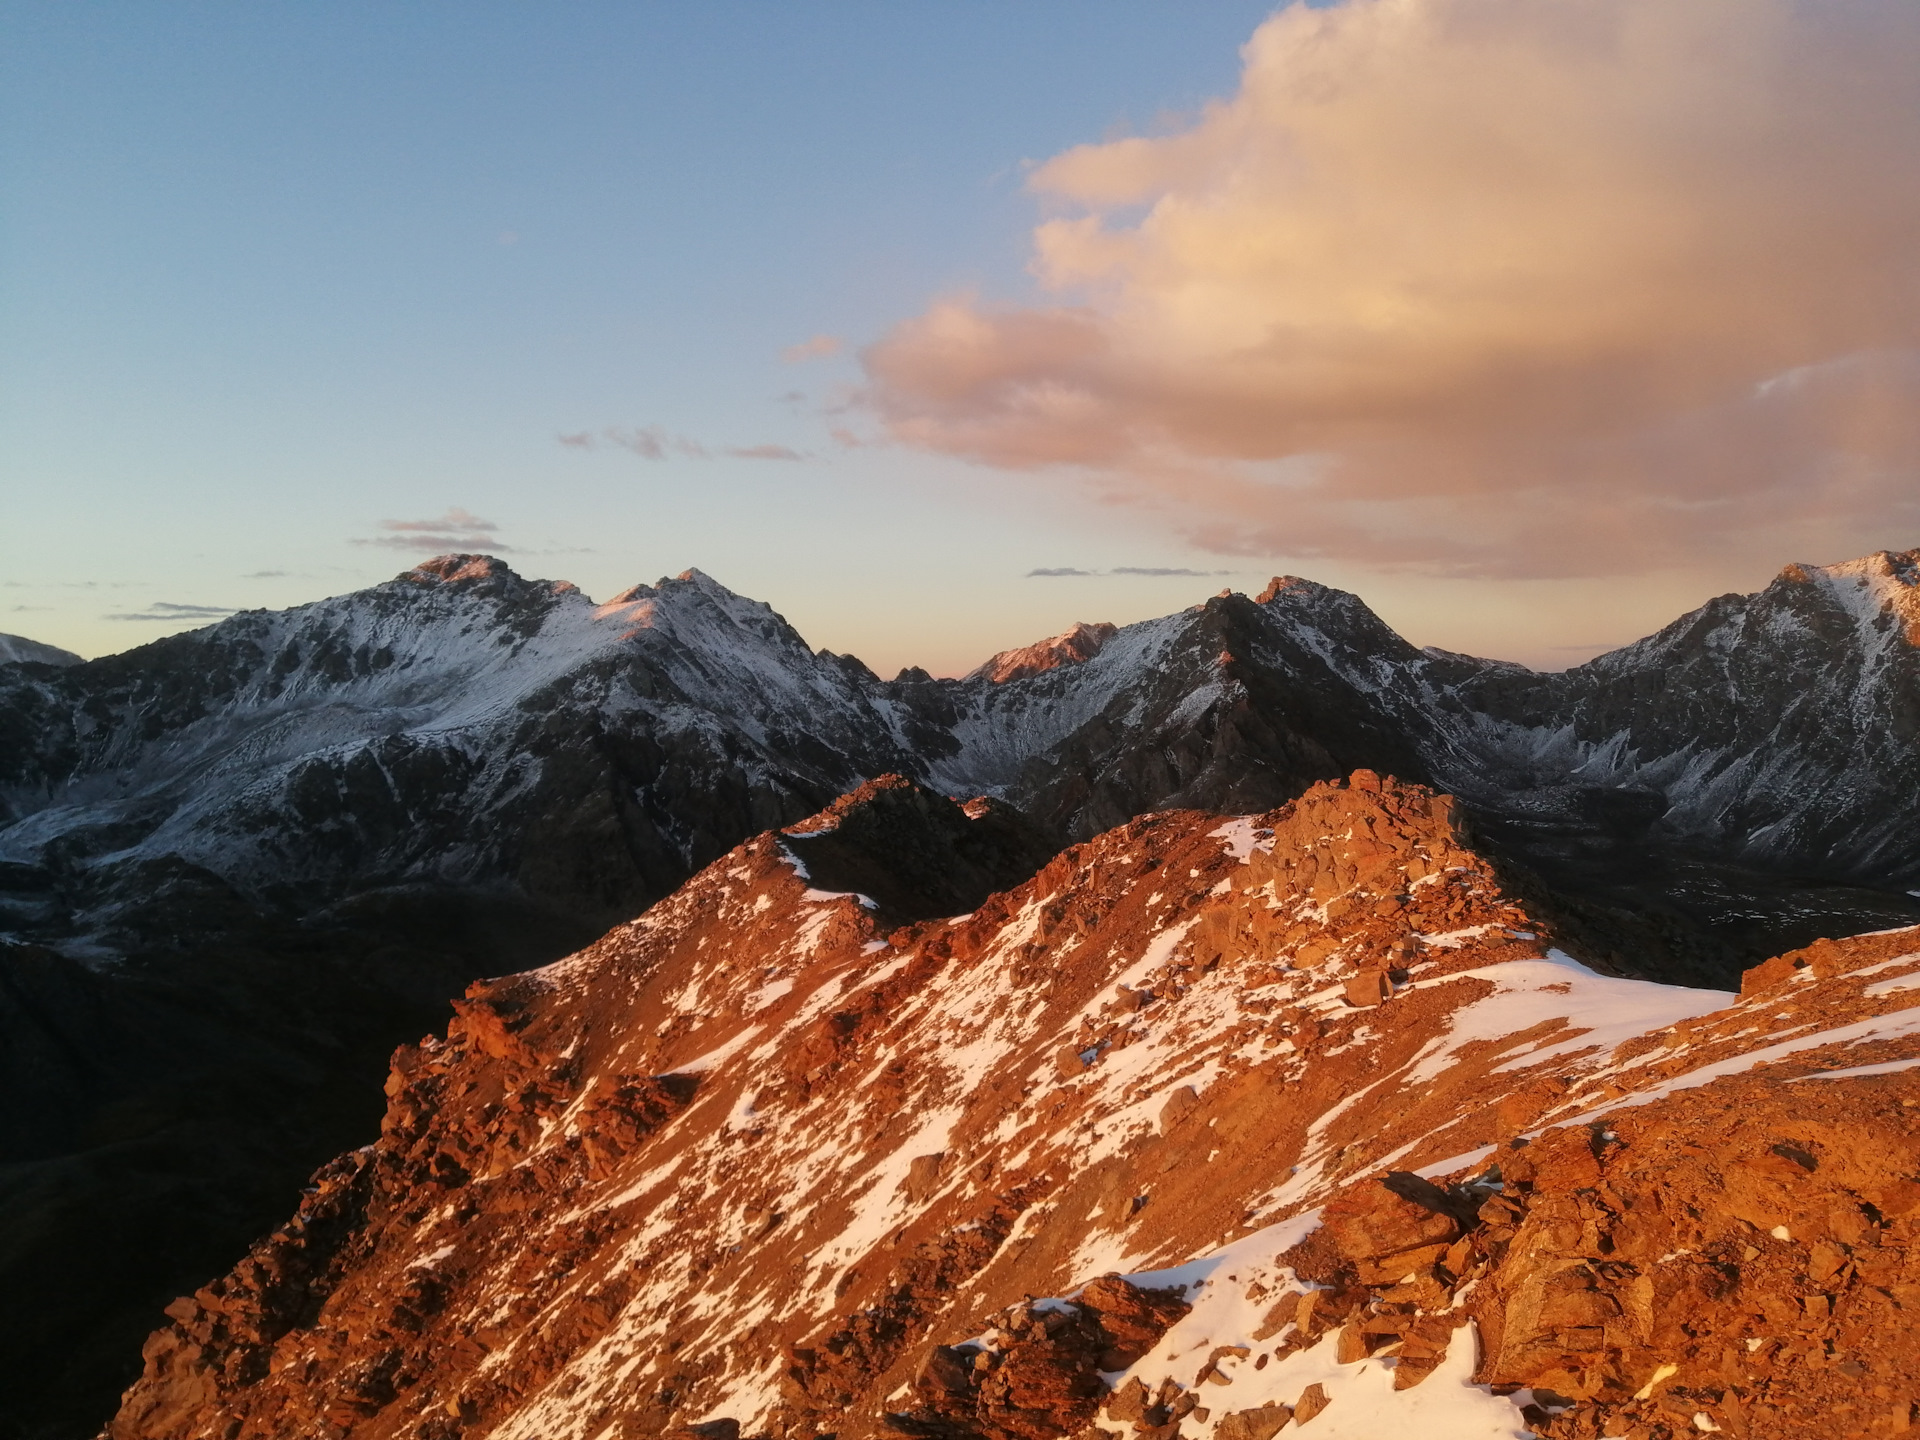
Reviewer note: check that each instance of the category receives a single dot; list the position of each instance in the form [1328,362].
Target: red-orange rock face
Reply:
[1071,647]
[756,1159]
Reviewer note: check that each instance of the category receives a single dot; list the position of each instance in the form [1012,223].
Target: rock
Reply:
[1180,1103]
[1129,1402]
[1261,1424]
[923,1176]
[1312,1401]
[1372,1222]
[1368,988]
[914,852]
[1131,1319]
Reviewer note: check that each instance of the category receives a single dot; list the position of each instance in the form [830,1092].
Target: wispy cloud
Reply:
[71,584]
[457,529]
[652,442]
[169,610]
[820,347]
[1069,570]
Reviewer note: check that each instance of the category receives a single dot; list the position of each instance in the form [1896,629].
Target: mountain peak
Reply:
[1281,584]
[455,569]
[1887,582]
[1074,646]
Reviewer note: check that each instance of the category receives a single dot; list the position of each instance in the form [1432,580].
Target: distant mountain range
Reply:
[462,728]
[238,865]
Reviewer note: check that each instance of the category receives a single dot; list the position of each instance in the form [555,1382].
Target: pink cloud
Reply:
[819,347]
[456,530]
[1480,287]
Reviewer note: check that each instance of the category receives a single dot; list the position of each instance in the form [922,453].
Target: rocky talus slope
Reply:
[1209,1128]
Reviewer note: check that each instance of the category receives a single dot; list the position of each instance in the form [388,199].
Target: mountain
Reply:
[1731,787]
[457,727]
[17,649]
[461,730]
[1298,1116]
[238,866]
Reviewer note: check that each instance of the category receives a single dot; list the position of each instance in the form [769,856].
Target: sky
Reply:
[942,326]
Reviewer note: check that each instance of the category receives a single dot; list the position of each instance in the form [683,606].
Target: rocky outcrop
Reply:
[1107,1152]
[1035,1373]
[1070,647]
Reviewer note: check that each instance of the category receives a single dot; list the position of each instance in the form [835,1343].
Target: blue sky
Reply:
[276,277]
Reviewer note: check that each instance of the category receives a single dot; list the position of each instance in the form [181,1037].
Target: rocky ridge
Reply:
[1299,1118]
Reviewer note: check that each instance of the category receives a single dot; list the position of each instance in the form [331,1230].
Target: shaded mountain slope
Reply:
[18,649]
[910,854]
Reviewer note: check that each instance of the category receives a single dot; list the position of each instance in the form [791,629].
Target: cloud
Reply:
[454,519]
[265,574]
[1480,287]
[820,347]
[1064,570]
[168,610]
[651,442]
[456,530]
